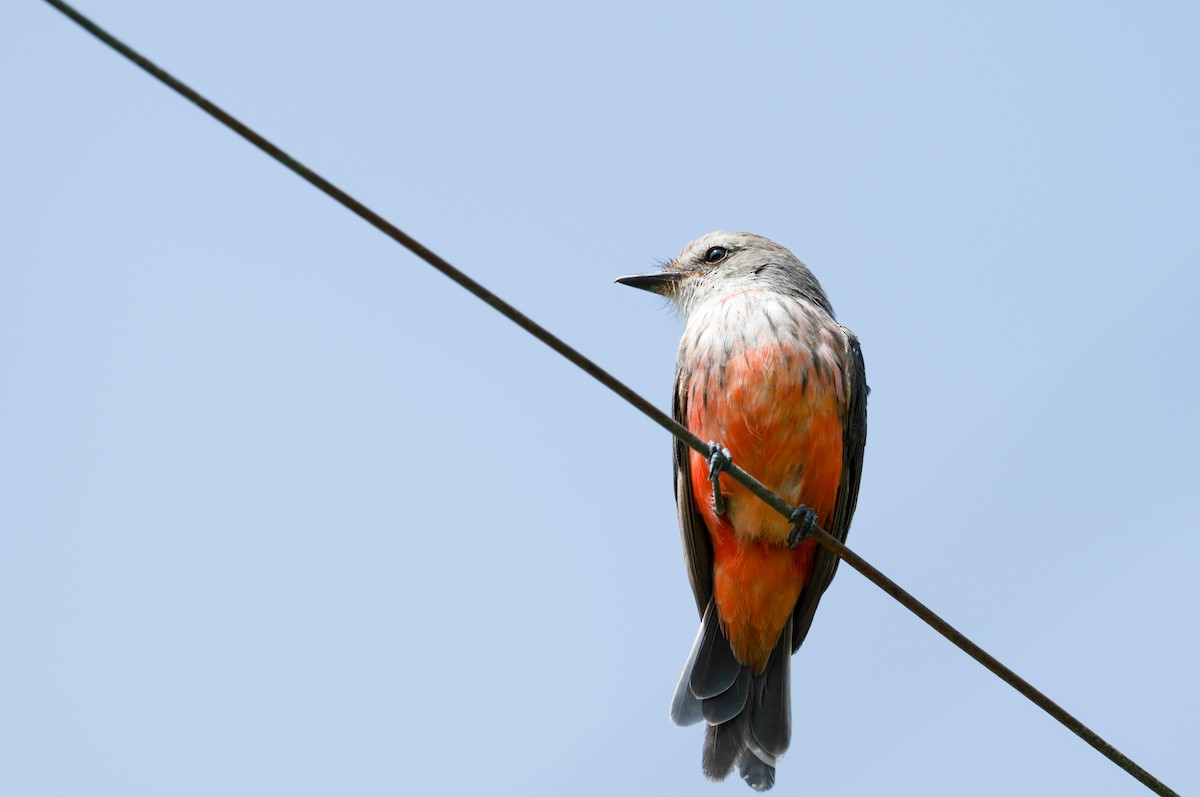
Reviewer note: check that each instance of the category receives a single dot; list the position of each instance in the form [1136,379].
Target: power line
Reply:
[622,390]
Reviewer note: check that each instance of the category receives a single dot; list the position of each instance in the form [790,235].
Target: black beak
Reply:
[662,282]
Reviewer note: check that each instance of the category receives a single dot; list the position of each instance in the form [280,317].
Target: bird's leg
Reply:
[719,459]
[803,520]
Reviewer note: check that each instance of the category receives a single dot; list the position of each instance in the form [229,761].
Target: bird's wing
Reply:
[854,440]
[697,546]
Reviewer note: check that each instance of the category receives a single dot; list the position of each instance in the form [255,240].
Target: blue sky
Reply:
[285,511]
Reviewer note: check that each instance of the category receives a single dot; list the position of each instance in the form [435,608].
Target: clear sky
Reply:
[286,512]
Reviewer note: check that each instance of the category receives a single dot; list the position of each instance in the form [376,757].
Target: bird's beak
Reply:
[661,282]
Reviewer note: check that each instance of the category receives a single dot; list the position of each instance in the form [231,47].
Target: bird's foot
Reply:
[804,520]
[719,459]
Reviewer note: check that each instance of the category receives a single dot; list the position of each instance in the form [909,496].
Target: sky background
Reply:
[284,511]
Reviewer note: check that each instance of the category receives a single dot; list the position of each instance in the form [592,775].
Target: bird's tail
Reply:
[749,716]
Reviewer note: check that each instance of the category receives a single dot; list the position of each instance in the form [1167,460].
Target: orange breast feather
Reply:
[779,419]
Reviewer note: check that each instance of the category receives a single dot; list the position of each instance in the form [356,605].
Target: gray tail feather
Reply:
[749,716]
[757,773]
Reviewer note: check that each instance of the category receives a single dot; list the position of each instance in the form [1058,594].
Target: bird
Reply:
[767,374]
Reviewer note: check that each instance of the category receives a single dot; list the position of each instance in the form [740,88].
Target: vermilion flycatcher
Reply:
[767,373]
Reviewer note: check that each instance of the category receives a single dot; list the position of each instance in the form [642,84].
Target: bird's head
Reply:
[722,264]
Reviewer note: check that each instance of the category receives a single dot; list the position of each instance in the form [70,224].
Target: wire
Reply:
[625,392]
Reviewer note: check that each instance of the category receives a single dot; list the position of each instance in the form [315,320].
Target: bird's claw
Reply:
[719,459]
[803,520]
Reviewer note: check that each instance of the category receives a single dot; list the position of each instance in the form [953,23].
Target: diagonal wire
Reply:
[625,392]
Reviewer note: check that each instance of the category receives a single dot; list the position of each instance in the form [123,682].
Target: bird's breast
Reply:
[763,375]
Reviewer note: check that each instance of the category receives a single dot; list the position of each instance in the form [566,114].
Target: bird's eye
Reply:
[716,254]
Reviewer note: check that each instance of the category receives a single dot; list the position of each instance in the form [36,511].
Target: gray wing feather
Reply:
[854,441]
[697,547]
